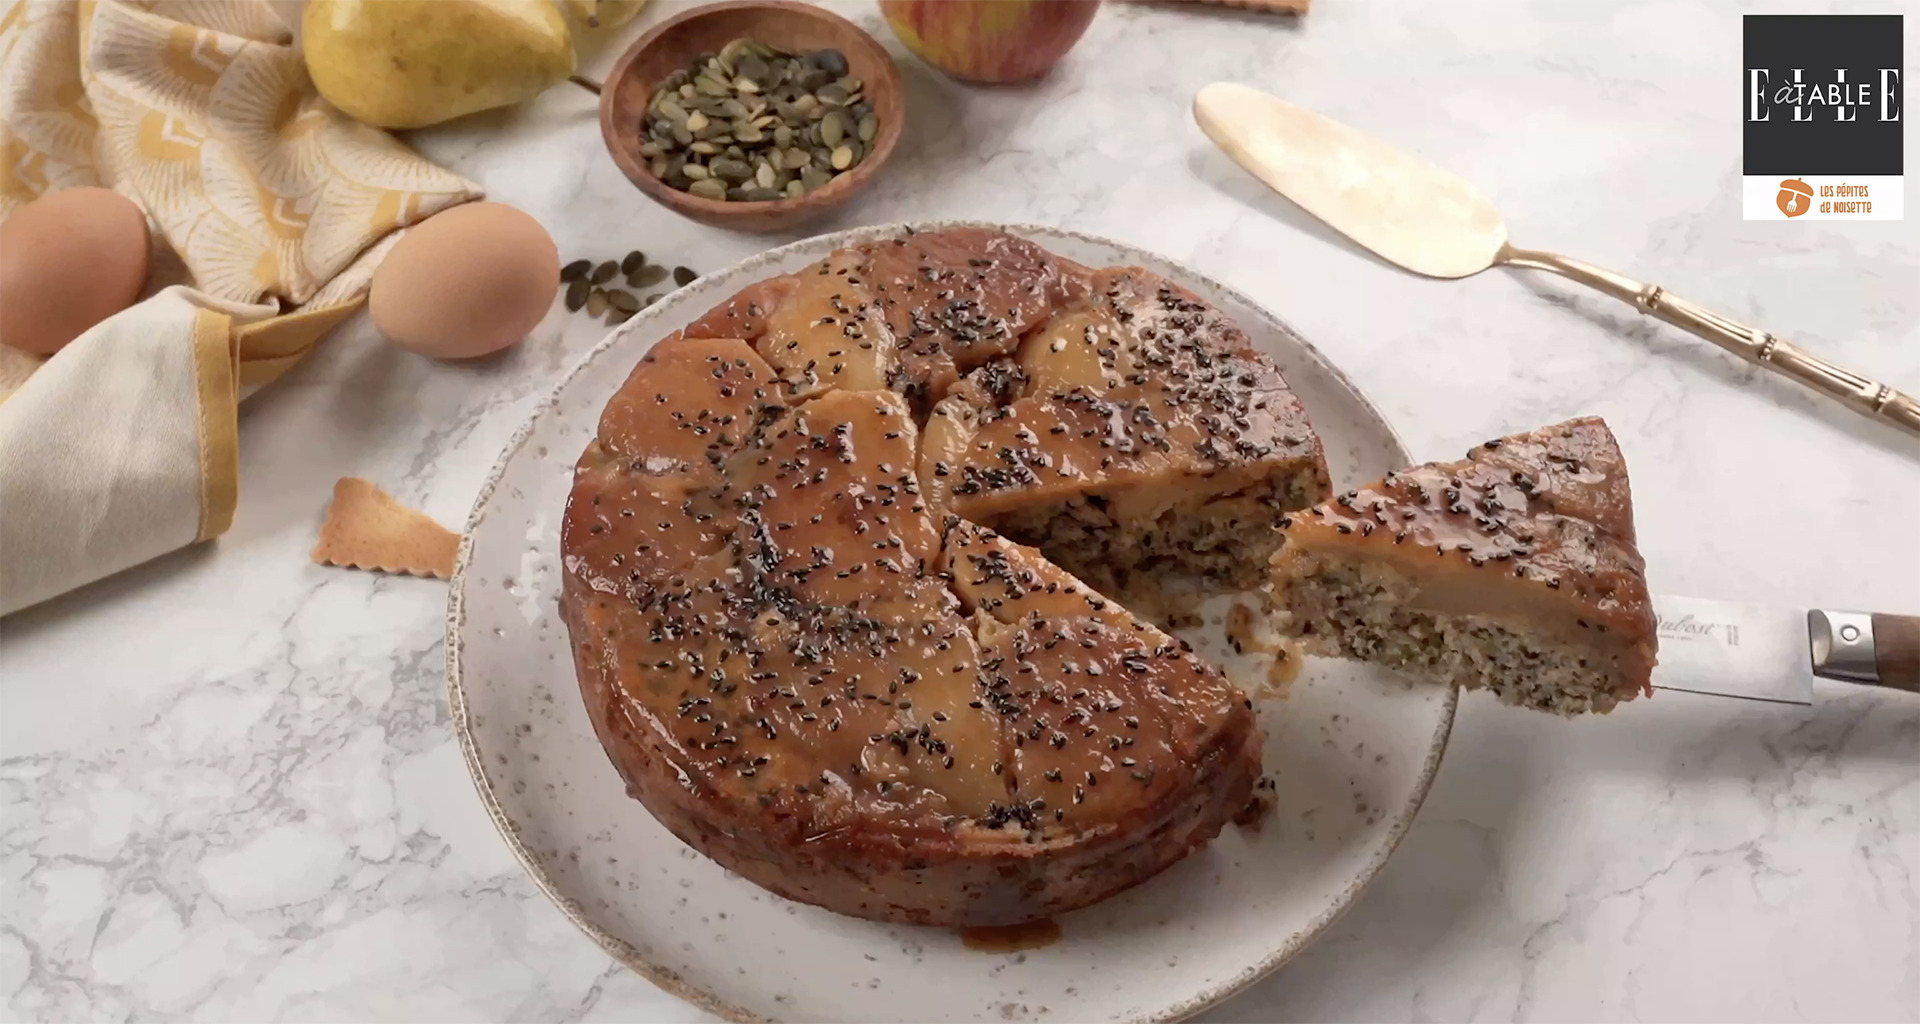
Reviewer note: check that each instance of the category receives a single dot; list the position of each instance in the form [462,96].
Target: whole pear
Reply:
[412,63]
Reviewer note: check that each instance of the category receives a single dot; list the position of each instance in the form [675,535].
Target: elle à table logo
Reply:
[1822,111]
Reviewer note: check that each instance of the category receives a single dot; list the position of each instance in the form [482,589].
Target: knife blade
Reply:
[1750,652]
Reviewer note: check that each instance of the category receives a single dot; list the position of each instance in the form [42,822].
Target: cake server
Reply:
[1773,654]
[1427,220]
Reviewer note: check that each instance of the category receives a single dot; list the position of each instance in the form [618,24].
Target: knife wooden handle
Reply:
[1877,649]
[1896,650]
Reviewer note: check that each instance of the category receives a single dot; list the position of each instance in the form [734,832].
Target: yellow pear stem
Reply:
[585,83]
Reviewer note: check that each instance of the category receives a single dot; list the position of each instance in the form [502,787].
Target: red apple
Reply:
[990,40]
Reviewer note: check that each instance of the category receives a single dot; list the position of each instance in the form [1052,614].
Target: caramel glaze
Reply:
[1135,383]
[1536,527]
[807,671]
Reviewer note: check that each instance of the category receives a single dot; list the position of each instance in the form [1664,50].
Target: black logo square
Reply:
[1822,94]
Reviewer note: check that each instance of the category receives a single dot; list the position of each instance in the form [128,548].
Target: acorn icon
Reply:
[1795,198]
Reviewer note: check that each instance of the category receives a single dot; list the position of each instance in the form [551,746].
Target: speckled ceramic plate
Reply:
[1351,750]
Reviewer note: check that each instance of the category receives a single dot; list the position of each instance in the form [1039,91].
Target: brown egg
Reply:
[466,282]
[68,260]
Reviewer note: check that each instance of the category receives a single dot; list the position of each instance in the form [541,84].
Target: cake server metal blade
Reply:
[1733,650]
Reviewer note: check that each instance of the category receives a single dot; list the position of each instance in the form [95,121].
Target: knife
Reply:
[1774,654]
[1424,219]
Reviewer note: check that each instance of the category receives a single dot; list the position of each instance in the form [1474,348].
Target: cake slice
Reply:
[1512,570]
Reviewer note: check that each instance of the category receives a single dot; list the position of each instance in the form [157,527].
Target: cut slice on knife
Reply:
[1512,570]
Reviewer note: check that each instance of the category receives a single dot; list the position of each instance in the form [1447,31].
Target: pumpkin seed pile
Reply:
[754,123]
[590,286]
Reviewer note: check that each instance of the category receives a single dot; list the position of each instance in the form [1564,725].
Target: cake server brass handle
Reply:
[1861,394]
[1862,647]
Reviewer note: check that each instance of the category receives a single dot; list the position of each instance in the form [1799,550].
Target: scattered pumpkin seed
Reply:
[604,272]
[617,304]
[683,276]
[755,123]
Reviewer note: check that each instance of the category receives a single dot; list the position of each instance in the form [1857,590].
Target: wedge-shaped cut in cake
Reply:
[1513,570]
[1136,436]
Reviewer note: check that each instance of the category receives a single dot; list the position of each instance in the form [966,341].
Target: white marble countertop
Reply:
[227,786]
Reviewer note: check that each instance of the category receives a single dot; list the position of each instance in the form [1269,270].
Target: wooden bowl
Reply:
[674,43]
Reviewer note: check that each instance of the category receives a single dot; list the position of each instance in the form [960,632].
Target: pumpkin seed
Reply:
[683,276]
[618,316]
[632,261]
[621,300]
[754,123]
[647,276]
[596,302]
[604,272]
[575,270]
[734,171]
[577,293]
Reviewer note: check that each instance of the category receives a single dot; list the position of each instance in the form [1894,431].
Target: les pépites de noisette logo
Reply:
[1821,105]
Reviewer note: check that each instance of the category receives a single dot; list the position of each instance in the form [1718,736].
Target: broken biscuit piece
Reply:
[366,529]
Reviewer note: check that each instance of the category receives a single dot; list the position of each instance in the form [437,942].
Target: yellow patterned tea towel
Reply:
[273,207]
